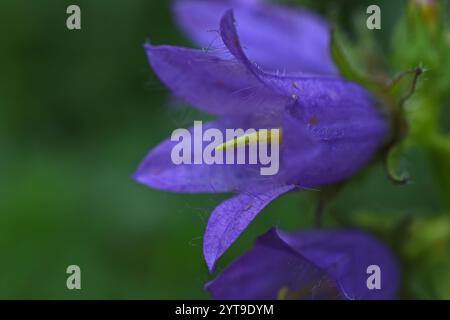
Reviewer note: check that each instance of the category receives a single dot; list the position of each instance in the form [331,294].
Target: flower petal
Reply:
[319,264]
[346,256]
[335,143]
[232,217]
[334,122]
[273,270]
[326,91]
[275,37]
[215,85]
[158,170]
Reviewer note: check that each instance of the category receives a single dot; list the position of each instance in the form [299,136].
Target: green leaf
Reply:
[341,61]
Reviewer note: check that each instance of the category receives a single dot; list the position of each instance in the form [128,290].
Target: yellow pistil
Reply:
[260,136]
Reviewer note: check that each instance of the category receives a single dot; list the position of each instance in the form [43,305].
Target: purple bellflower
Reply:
[276,38]
[326,264]
[331,127]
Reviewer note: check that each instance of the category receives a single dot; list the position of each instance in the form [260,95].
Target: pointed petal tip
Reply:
[229,14]
[137,177]
[232,217]
[145,180]
[147,46]
[210,262]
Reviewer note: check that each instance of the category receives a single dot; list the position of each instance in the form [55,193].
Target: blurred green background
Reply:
[78,112]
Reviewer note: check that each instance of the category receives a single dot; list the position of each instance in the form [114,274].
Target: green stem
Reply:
[426,132]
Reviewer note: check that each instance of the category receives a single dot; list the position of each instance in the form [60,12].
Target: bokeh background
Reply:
[78,112]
